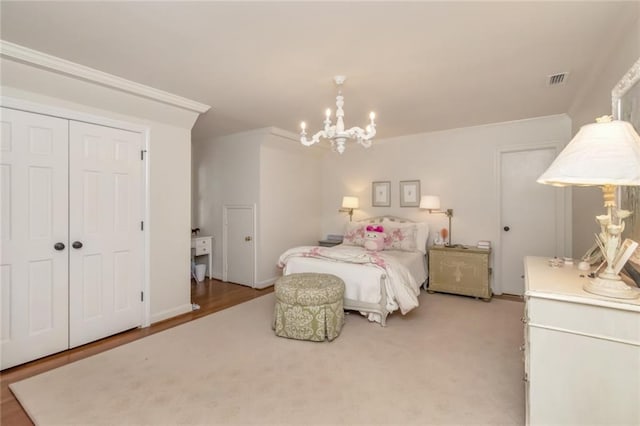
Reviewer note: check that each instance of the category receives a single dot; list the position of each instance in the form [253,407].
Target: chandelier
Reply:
[336,133]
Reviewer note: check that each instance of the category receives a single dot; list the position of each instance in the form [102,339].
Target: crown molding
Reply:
[52,63]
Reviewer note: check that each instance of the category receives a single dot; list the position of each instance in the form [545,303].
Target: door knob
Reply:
[247,238]
[506,228]
[58,246]
[76,245]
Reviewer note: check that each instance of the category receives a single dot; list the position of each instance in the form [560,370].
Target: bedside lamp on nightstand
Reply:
[431,203]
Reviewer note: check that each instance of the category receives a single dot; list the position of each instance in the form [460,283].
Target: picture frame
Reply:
[410,193]
[381,194]
[626,250]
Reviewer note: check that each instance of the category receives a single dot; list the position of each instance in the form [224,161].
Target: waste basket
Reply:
[200,270]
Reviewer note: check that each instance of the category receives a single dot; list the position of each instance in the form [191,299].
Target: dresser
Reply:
[203,246]
[581,351]
[460,270]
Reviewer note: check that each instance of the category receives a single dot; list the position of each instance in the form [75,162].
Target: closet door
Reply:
[34,234]
[105,213]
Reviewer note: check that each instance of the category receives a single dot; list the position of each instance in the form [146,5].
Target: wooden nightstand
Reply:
[460,270]
[328,243]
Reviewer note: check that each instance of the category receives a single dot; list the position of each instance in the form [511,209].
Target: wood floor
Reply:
[211,295]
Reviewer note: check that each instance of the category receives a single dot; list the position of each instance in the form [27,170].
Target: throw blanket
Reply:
[401,287]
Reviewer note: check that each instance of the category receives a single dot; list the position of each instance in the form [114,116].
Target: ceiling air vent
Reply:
[556,79]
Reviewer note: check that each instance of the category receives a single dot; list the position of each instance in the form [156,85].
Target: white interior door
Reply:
[239,245]
[532,215]
[34,221]
[105,235]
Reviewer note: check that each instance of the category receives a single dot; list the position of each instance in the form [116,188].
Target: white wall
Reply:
[290,201]
[169,168]
[227,172]
[594,101]
[265,167]
[459,165]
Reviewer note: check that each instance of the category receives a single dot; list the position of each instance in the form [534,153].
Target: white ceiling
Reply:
[421,66]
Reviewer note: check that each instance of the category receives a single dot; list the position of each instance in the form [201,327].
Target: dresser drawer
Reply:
[201,245]
[583,319]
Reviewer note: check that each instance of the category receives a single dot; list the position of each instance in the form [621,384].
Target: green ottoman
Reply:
[309,306]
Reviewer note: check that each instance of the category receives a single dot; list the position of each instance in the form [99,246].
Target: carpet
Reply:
[453,360]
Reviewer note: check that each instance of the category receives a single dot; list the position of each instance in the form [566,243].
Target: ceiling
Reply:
[421,66]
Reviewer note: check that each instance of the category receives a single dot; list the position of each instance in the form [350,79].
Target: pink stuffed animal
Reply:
[374,238]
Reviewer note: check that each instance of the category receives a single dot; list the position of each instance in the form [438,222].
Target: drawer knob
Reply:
[506,229]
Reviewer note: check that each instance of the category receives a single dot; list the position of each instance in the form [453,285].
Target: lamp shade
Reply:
[602,153]
[350,203]
[430,202]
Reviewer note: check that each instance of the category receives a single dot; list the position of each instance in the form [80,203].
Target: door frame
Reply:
[225,215]
[70,114]
[563,199]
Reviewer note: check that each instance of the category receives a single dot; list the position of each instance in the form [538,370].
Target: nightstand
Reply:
[328,243]
[460,270]
[203,246]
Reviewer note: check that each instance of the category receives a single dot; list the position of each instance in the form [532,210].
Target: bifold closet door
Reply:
[34,235]
[105,236]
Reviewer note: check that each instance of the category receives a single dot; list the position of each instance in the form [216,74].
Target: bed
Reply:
[376,283]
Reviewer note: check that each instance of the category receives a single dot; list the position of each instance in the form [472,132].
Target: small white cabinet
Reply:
[203,246]
[582,351]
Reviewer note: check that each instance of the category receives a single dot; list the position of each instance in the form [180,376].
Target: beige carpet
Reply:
[454,360]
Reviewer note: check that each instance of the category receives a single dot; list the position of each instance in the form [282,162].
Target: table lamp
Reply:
[606,154]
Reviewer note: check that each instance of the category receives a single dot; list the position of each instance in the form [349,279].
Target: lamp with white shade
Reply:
[431,203]
[349,203]
[605,154]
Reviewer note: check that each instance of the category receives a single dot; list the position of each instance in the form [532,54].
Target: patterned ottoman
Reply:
[309,306]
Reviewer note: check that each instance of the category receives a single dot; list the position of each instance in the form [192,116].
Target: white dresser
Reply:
[581,352]
[203,246]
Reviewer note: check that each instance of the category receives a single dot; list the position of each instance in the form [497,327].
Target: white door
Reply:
[531,216]
[239,245]
[34,234]
[105,236]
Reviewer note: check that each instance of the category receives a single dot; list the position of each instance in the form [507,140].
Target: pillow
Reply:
[422,232]
[354,234]
[400,236]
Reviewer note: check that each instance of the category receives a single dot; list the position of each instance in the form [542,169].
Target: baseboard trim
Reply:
[265,283]
[170,313]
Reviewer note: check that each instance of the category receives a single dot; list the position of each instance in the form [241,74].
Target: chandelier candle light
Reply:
[336,133]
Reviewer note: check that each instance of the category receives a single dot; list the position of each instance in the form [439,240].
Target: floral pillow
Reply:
[400,237]
[354,234]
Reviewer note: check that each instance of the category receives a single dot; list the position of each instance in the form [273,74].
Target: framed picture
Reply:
[410,193]
[381,194]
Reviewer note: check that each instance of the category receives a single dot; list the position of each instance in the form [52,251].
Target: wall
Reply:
[265,167]
[227,172]
[459,165]
[169,168]
[594,101]
[290,202]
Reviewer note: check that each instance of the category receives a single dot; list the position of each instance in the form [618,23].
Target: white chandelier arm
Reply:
[314,139]
[360,133]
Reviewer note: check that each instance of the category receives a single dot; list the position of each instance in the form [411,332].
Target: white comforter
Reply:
[401,287]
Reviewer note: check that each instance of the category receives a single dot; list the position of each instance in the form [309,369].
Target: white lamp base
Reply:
[610,288]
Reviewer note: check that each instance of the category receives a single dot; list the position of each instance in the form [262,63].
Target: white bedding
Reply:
[404,273]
